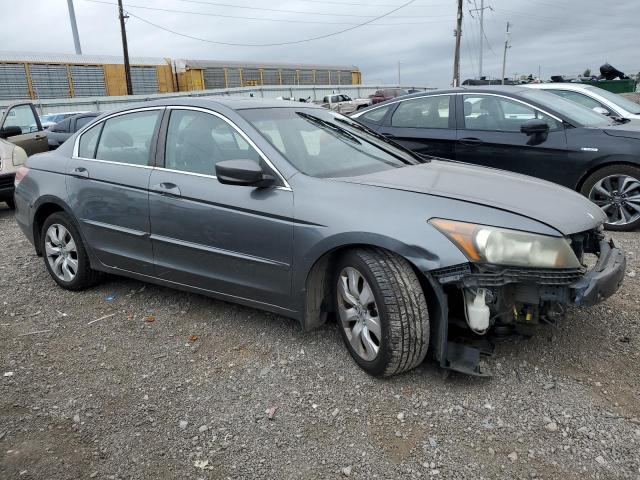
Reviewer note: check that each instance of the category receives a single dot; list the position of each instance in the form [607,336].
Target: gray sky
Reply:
[562,36]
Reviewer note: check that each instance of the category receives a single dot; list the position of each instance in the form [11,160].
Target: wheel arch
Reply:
[315,278]
[607,162]
[43,208]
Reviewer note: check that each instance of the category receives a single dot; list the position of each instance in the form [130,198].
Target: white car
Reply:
[596,98]
[11,158]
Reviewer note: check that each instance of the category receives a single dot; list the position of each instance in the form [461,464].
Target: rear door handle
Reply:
[470,141]
[167,188]
[80,172]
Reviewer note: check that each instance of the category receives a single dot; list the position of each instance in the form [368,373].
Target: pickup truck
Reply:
[20,125]
[344,104]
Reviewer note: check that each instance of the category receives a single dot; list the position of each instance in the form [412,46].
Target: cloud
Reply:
[562,37]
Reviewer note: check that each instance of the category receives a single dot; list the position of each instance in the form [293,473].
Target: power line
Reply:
[279,10]
[240,17]
[319,37]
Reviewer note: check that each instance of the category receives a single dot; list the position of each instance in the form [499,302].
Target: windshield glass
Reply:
[577,114]
[322,143]
[629,105]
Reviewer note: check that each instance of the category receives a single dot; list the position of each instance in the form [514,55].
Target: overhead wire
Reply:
[273,44]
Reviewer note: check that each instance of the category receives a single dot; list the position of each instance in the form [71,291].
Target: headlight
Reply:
[501,246]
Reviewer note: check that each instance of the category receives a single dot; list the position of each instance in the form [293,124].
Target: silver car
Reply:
[299,210]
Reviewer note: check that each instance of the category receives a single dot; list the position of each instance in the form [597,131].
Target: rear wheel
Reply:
[382,312]
[616,190]
[64,253]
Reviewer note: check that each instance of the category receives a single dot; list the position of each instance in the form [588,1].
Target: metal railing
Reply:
[314,92]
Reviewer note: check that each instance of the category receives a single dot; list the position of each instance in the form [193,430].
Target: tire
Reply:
[10,203]
[616,205]
[83,276]
[399,305]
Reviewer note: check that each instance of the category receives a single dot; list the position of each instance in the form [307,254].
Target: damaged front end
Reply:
[483,302]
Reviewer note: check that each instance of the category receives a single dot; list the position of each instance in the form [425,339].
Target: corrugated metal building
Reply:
[44,76]
[31,75]
[206,75]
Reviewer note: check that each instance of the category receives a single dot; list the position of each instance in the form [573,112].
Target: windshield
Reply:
[322,143]
[629,105]
[577,114]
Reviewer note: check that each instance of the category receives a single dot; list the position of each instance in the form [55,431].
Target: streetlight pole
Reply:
[74,27]
[504,55]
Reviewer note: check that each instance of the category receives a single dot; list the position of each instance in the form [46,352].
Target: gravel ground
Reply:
[165,384]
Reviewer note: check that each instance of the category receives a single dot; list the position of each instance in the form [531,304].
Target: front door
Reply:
[108,180]
[234,240]
[489,134]
[425,125]
[32,137]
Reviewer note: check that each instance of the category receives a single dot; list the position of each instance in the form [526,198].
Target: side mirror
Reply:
[602,111]
[242,172]
[6,132]
[534,126]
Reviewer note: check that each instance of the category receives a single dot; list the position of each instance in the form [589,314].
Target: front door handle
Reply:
[471,141]
[80,172]
[167,188]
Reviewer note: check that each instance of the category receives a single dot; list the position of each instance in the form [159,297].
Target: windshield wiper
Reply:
[379,136]
[331,126]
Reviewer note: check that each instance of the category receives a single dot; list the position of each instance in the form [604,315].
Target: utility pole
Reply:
[125,49]
[481,44]
[456,58]
[399,78]
[504,55]
[74,27]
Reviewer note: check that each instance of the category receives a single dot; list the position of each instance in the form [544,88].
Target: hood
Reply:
[624,130]
[558,207]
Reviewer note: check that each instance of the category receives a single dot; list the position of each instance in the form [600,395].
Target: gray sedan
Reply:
[301,211]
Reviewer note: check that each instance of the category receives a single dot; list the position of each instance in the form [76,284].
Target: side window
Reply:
[376,115]
[82,121]
[196,141]
[62,127]
[425,112]
[22,116]
[127,138]
[488,112]
[88,142]
[578,98]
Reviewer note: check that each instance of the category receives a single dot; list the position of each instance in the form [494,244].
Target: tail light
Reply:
[20,174]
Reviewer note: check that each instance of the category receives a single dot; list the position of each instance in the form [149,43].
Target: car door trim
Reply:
[109,226]
[245,137]
[220,251]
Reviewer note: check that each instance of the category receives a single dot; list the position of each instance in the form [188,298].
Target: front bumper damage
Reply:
[517,298]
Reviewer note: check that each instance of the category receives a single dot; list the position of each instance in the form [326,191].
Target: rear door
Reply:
[33,139]
[489,134]
[230,239]
[107,183]
[425,125]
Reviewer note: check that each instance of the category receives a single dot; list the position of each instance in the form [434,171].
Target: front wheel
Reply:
[616,190]
[382,311]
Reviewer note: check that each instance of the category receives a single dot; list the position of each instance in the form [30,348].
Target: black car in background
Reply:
[62,130]
[526,131]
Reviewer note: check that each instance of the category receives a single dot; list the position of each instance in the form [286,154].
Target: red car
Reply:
[386,94]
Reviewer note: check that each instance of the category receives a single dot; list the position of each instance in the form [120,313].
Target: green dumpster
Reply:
[615,86]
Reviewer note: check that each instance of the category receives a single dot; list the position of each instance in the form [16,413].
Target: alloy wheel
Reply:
[619,198]
[359,316]
[61,252]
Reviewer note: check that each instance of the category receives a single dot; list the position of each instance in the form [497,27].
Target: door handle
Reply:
[80,172]
[470,141]
[167,188]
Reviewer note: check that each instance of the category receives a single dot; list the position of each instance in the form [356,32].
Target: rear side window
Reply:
[376,115]
[425,112]
[127,138]
[82,121]
[62,127]
[88,142]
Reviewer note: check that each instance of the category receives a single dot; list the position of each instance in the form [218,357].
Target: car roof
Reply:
[470,89]
[562,85]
